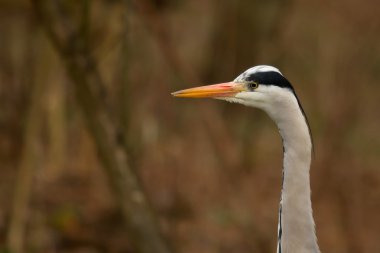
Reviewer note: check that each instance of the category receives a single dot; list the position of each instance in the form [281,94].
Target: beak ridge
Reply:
[211,91]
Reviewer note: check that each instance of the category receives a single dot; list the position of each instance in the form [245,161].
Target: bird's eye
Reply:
[253,85]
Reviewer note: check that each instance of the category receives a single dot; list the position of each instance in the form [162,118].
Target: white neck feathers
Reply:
[296,223]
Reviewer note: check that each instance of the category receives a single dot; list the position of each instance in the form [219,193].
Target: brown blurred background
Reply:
[211,170]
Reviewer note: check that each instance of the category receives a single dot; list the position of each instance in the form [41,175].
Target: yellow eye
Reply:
[253,85]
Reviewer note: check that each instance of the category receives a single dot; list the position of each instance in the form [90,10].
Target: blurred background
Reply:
[86,115]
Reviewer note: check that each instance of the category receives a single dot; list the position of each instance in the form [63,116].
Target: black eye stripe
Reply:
[269,78]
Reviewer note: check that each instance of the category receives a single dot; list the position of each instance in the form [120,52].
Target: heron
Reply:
[266,88]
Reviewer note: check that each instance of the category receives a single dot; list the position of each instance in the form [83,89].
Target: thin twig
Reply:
[26,170]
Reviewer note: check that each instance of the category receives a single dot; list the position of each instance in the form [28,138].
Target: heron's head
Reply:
[261,86]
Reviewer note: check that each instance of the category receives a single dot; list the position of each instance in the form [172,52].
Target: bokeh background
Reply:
[210,170]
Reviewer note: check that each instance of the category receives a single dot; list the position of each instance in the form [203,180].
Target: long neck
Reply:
[296,223]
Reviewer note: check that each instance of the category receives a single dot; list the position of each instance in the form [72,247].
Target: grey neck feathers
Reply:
[296,223]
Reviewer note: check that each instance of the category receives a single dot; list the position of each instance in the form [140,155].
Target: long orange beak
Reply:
[212,91]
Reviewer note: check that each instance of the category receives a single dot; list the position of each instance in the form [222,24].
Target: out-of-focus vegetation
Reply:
[211,170]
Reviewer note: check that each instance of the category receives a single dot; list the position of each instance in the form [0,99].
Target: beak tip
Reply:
[174,94]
